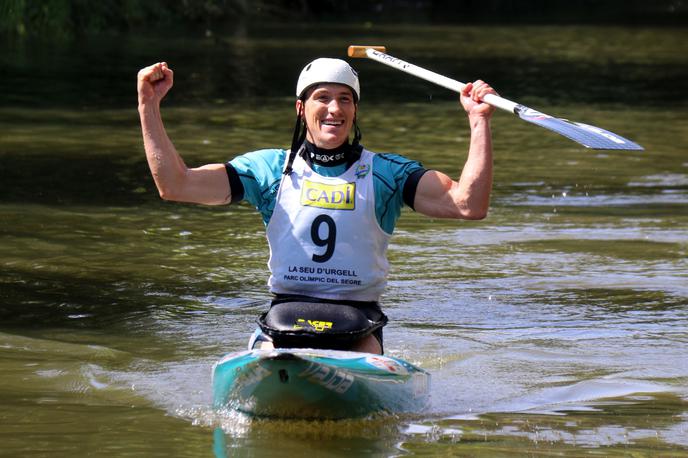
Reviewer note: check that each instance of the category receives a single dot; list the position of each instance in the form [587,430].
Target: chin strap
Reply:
[357,135]
[297,143]
[356,148]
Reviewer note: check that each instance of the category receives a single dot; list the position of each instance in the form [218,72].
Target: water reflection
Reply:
[557,65]
[611,424]
[540,325]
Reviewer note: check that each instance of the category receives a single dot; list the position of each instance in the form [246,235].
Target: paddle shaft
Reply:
[440,80]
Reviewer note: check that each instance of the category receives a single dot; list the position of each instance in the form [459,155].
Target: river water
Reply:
[558,325]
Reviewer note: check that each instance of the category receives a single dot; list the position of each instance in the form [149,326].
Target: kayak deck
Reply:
[323,384]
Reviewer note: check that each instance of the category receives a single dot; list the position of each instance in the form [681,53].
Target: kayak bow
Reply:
[318,384]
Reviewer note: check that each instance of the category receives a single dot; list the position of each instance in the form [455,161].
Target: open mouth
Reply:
[332,123]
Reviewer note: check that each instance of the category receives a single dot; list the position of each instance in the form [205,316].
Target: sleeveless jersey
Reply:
[325,240]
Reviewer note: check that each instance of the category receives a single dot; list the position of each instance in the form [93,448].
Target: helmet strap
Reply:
[296,142]
[357,135]
[356,147]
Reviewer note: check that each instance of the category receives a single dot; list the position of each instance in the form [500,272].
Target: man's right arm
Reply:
[175,181]
[437,195]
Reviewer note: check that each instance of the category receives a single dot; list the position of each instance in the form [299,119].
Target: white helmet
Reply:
[326,70]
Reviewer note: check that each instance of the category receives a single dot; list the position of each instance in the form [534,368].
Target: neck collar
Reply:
[329,157]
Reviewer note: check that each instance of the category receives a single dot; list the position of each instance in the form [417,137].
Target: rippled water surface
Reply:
[558,325]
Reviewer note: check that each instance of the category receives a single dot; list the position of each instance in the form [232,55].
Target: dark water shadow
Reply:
[253,65]
[37,299]
[60,178]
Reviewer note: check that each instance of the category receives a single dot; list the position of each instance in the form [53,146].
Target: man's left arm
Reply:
[437,194]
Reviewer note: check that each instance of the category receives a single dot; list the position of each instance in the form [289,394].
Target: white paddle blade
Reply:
[587,135]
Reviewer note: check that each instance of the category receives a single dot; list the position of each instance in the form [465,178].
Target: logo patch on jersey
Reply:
[330,196]
[362,170]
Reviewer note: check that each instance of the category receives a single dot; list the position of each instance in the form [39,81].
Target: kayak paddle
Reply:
[588,136]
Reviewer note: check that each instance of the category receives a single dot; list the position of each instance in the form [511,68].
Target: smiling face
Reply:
[329,111]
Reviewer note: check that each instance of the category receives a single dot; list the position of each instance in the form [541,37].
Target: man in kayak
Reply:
[329,205]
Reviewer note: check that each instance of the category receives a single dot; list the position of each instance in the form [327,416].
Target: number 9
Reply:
[328,241]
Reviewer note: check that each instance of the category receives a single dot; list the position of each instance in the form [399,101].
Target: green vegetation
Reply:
[66,18]
[70,18]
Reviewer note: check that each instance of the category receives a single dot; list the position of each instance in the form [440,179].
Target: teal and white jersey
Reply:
[260,173]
